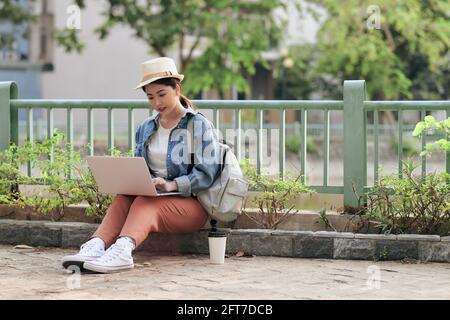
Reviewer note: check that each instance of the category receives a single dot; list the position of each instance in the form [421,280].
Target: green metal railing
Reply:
[354,106]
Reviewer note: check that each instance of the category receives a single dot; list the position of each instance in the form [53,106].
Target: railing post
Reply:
[355,152]
[9,119]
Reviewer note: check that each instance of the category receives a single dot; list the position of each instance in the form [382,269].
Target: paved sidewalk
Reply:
[36,274]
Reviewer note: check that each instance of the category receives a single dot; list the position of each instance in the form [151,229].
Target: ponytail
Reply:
[186,102]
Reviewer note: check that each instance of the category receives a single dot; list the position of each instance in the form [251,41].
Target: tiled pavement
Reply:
[36,273]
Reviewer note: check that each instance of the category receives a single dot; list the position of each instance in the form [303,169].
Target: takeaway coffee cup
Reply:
[217,243]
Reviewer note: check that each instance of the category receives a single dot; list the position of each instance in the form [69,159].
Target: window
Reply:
[44,28]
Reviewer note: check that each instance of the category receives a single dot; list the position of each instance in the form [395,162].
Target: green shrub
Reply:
[411,204]
[439,127]
[272,197]
[10,174]
[59,191]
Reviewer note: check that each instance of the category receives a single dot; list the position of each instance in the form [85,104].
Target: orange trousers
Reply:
[137,217]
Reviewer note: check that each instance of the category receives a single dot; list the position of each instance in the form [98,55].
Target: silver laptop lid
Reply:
[122,175]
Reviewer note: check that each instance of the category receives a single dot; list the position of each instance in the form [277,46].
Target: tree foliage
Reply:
[439,127]
[406,56]
[13,12]
[19,13]
[217,41]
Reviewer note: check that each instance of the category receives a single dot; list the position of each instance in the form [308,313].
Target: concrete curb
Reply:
[259,242]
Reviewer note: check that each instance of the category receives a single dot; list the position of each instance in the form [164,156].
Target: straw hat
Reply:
[156,69]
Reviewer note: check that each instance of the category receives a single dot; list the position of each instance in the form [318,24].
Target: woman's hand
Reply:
[165,185]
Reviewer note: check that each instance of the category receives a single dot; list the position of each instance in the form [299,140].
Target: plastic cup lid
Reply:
[217,234]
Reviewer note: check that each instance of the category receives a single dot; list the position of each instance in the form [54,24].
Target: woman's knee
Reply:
[143,203]
[121,203]
[141,200]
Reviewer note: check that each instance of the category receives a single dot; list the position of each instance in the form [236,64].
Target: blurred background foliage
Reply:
[404,56]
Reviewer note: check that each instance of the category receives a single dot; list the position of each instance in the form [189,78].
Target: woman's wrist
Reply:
[173,186]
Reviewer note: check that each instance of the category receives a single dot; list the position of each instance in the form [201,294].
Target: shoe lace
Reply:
[87,248]
[111,253]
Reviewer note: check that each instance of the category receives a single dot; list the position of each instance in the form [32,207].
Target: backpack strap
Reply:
[190,128]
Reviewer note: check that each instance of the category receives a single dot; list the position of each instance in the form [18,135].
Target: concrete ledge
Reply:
[376,236]
[307,220]
[313,247]
[260,242]
[358,249]
[396,250]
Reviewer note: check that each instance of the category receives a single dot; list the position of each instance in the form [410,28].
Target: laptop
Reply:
[123,175]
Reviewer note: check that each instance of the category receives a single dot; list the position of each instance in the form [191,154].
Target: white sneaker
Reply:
[116,258]
[90,250]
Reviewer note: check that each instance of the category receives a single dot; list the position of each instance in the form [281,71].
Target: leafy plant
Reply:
[66,178]
[273,195]
[440,127]
[323,217]
[10,174]
[411,204]
[383,254]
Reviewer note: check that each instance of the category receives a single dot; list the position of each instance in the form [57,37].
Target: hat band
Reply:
[155,75]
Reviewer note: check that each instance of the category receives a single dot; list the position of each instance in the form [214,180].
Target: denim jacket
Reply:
[190,178]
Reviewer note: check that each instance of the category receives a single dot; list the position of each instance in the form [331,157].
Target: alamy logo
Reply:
[73,282]
[74,20]
[202,144]
[374,280]
[374,18]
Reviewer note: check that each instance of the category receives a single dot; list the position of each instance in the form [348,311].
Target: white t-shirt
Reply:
[157,151]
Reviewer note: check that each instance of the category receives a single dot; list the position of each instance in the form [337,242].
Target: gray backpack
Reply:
[224,199]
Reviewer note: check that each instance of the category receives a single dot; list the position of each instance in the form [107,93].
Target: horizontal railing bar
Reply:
[406,105]
[318,189]
[232,104]
[270,104]
[201,104]
[328,189]
[80,104]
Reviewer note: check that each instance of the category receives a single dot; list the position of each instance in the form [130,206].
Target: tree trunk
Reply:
[386,116]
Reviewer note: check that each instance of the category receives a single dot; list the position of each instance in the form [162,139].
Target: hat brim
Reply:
[144,83]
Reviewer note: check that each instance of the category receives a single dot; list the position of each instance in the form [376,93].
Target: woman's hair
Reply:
[173,83]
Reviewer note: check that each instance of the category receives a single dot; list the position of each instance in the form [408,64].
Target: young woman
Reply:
[129,219]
